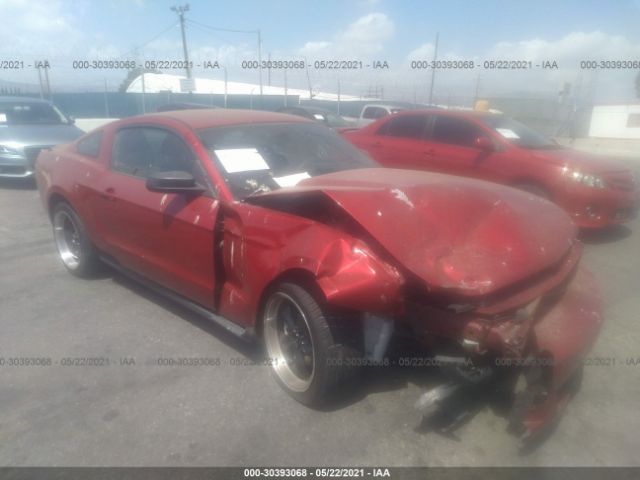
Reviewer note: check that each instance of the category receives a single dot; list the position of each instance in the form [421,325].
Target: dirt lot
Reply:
[146,414]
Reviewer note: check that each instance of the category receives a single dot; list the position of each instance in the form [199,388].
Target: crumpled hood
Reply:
[27,135]
[455,233]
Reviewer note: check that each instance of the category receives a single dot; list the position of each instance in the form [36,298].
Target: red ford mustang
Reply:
[595,191]
[275,227]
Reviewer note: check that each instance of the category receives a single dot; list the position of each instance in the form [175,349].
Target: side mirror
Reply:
[483,143]
[173,182]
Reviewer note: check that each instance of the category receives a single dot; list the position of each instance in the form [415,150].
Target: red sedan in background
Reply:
[595,191]
[276,228]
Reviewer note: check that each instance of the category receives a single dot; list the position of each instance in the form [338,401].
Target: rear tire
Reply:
[306,360]
[77,252]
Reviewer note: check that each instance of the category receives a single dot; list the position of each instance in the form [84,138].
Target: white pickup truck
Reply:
[371,112]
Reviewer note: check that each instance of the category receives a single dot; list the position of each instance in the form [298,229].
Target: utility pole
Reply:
[180,10]
[47,84]
[308,81]
[225,87]
[475,98]
[260,62]
[286,91]
[40,82]
[106,100]
[144,93]
[433,70]
[269,70]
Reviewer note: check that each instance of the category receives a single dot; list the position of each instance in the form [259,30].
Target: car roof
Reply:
[10,99]
[208,118]
[443,111]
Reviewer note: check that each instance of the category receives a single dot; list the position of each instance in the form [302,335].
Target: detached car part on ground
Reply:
[28,125]
[276,228]
[594,191]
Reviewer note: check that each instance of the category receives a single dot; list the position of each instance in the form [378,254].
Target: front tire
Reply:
[75,248]
[306,360]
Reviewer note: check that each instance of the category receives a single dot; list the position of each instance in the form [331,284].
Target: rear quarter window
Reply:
[90,145]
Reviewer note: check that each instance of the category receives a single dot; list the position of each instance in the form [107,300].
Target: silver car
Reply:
[27,125]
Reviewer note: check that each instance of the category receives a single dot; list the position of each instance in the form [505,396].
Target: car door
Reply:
[399,142]
[166,237]
[452,147]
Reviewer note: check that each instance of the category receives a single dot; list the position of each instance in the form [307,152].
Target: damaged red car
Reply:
[276,228]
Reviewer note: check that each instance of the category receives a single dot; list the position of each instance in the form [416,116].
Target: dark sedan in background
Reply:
[27,125]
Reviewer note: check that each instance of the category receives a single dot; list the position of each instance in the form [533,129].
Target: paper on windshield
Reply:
[3,118]
[236,160]
[317,116]
[507,133]
[291,180]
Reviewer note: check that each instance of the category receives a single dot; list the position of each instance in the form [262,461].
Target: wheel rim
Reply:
[289,342]
[67,239]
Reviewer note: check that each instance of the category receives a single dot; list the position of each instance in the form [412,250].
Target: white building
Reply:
[615,121]
[159,82]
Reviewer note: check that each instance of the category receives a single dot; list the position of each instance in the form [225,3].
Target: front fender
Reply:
[260,245]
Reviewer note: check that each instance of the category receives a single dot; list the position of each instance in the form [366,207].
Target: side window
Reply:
[455,131]
[373,113]
[141,151]
[90,146]
[405,126]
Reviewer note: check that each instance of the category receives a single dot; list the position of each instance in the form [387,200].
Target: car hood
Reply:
[453,233]
[26,135]
[575,159]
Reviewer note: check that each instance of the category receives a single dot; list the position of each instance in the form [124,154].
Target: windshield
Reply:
[25,113]
[517,133]
[262,157]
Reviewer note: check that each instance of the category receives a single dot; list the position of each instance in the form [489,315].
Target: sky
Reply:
[397,32]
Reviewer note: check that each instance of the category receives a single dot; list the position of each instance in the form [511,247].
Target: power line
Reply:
[209,27]
[155,37]
[255,32]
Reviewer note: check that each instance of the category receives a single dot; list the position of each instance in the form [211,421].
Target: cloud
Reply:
[35,16]
[361,39]
[568,51]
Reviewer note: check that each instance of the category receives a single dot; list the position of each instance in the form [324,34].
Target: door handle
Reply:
[428,152]
[109,194]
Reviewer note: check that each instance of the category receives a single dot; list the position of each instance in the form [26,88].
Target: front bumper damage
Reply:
[533,350]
